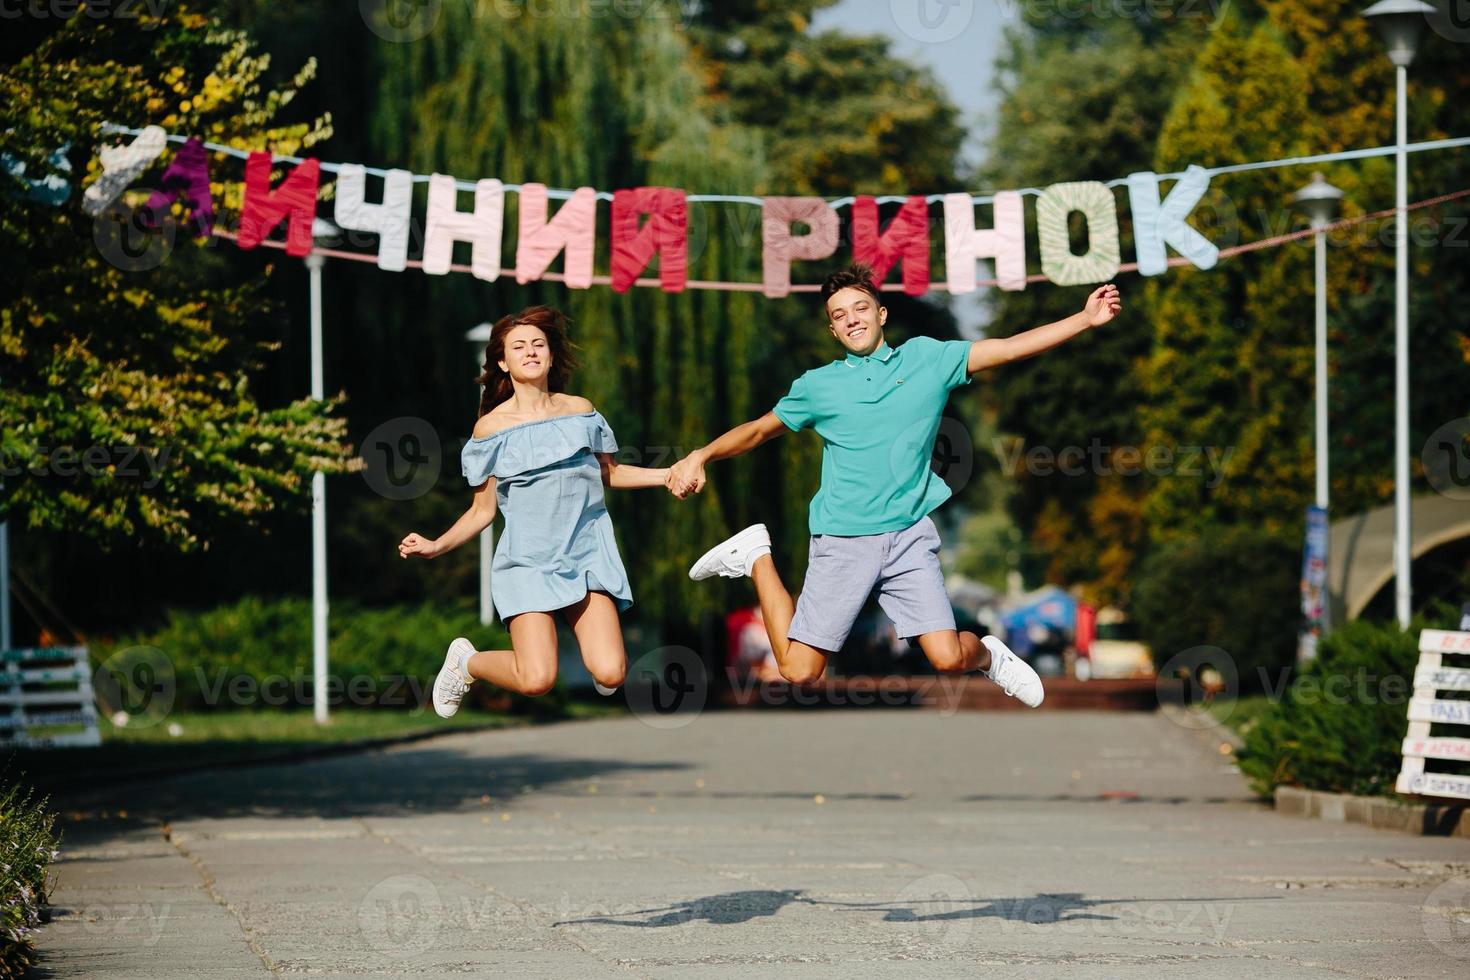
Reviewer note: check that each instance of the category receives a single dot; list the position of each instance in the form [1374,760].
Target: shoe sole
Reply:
[705,567]
[449,665]
[997,648]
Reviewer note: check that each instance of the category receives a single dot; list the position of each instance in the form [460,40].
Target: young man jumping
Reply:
[877,411]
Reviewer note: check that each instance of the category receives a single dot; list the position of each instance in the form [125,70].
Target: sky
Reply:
[957,39]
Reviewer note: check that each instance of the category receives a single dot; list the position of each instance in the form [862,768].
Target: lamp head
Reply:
[1400,21]
[1319,200]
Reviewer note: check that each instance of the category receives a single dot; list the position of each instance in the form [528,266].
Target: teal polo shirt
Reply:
[877,416]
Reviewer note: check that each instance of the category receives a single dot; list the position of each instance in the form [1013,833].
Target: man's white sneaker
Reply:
[1013,674]
[735,556]
[454,678]
[606,692]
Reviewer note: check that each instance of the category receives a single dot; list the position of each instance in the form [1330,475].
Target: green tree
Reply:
[103,352]
[1080,99]
[1230,368]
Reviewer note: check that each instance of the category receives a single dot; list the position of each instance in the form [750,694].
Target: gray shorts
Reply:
[842,571]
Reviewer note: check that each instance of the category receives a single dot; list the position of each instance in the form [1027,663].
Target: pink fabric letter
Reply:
[964,243]
[573,228]
[665,233]
[780,246]
[906,239]
[263,208]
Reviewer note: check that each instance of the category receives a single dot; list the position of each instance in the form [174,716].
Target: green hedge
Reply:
[257,653]
[1236,589]
[27,845]
[1340,724]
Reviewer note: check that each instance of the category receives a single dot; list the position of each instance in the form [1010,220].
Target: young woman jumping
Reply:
[542,457]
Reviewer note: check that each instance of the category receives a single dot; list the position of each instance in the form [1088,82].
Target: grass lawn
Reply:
[1241,714]
[189,740]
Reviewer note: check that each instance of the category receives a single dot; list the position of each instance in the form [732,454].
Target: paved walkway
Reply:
[798,844]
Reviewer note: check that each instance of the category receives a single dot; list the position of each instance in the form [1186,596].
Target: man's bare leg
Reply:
[800,663]
[953,652]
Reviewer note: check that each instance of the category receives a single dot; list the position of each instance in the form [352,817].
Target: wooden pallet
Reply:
[47,687]
[1425,708]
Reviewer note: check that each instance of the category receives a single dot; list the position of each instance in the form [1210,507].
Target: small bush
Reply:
[257,653]
[27,845]
[1236,589]
[1340,723]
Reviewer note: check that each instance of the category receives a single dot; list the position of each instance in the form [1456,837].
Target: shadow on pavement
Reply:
[734,908]
[403,782]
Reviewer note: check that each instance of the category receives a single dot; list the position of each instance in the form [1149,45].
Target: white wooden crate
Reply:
[66,701]
[1425,708]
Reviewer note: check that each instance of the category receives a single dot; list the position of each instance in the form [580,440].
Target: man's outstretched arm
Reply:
[687,475]
[1101,307]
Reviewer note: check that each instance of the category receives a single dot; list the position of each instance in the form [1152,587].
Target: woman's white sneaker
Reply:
[454,678]
[735,556]
[1013,674]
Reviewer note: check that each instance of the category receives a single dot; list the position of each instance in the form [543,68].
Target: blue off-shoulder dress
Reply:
[558,540]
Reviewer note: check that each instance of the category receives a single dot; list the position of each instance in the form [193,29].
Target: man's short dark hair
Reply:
[853,277]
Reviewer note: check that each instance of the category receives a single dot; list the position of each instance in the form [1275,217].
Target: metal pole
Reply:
[4,586]
[1403,586]
[487,551]
[1322,491]
[479,336]
[318,514]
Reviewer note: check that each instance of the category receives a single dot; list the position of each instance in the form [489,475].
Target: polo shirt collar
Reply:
[883,353]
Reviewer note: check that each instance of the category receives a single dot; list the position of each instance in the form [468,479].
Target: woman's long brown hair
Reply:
[553,323]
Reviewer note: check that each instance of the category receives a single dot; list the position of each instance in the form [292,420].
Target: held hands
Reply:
[417,544]
[1102,305]
[686,477]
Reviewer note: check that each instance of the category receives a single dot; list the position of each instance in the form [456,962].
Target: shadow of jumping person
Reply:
[731,908]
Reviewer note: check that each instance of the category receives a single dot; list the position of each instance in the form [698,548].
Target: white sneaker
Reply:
[454,678]
[1013,674]
[606,692]
[733,557]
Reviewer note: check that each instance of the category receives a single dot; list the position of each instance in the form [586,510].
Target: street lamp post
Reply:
[1319,200]
[479,335]
[1400,22]
[323,232]
[4,586]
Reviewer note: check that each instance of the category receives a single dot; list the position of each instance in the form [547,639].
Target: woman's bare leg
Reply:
[530,666]
[600,635]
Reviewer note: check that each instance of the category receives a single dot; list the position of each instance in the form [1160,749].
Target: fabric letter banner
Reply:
[666,233]
[574,228]
[906,239]
[187,176]
[121,165]
[263,208]
[779,246]
[1155,225]
[1103,257]
[481,228]
[964,243]
[388,220]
